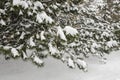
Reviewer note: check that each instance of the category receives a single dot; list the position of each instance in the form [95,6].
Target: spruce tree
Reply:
[68,30]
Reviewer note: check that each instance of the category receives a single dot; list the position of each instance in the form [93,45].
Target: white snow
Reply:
[82,64]
[49,10]
[88,21]
[73,44]
[70,30]
[37,36]
[22,35]
[52,49]
[99,2]
[56,70]
[61,34]
[7,47]
[29,2]
[2,22]
[43,16]
[71,63]
[95,45]
[20,47]
[112,43]
[105,34]
[93,50]
[20,13]
[37,60]
[94,4]
[24,4]
[29,13]
[54,6]
[38,4]
[2,11]
[16,2]
[31,42]
[14,52]
[116,1]
[38,18]
[42,35]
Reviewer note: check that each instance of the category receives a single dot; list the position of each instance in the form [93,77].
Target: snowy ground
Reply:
[56,70]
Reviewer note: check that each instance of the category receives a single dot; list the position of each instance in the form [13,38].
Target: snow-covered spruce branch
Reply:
[95,29]
[39,29]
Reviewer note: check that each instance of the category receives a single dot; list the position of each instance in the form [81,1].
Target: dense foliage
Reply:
[68,30]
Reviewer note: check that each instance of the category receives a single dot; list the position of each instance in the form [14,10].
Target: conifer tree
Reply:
[68,30]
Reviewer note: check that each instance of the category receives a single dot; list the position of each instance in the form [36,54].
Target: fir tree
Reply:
[68,30]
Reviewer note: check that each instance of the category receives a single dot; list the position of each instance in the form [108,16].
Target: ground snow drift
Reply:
[56,70]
